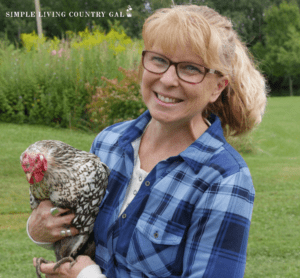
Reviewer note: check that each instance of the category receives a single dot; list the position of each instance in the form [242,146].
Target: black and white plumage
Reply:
[71,179]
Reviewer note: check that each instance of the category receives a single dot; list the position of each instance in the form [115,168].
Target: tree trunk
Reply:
[291,85]
[38,19]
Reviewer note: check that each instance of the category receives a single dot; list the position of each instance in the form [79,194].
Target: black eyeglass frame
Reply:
[207,70]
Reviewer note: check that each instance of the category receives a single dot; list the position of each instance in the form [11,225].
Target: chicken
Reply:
[72,179]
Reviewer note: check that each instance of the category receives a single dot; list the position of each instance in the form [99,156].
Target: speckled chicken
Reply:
[72,179]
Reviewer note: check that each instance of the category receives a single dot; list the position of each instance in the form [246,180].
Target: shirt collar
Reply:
[201,151]
[196,155]
[134,130]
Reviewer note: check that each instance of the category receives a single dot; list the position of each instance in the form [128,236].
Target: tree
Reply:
[247,16]
[38,19]
[11,26]
[56,26]
[158,4]
[281,50]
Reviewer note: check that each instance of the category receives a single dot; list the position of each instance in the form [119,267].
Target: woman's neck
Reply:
[182,135]
[161,141]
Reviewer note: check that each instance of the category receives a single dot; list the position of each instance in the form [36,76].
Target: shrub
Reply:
[32,41]
[115,101]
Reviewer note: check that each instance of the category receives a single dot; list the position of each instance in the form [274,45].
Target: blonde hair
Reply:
[242,103]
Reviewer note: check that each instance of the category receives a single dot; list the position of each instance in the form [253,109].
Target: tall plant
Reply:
[281,52]
[115,101]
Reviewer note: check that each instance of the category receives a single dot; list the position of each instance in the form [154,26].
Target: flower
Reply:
[60,52]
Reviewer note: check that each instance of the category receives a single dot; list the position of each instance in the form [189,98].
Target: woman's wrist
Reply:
[91,271]
[46,245]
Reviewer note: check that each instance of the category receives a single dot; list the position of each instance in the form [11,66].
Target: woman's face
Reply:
[172,100]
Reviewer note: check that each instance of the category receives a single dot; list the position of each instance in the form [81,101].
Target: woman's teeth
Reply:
[166,99]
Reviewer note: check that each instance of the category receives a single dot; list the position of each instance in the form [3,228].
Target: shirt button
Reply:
[124,215]
[147,183]
[134,192]
[140,178]
[156,235]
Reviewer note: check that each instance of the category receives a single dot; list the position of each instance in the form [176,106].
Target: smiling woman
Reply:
[179,198]
[203,33]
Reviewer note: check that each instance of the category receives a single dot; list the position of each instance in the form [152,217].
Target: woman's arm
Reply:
[217,239]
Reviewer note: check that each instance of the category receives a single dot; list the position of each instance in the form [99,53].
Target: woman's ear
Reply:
[220,86]
[223,82]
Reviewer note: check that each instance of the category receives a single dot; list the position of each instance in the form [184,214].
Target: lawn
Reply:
[274,242]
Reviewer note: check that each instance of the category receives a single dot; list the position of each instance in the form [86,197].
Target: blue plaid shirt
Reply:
[191,216]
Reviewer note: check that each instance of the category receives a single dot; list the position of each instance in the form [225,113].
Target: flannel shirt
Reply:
[190,217]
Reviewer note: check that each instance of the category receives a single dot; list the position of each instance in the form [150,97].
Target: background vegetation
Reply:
[73,80]
[274,242]
[251,18]
[58,82]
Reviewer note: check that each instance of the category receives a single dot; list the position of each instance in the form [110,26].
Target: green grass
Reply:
[16,250]
[274,241]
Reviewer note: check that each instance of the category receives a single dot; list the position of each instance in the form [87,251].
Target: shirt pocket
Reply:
[154,245]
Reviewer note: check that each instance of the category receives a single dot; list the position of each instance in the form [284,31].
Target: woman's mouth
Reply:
[167,99]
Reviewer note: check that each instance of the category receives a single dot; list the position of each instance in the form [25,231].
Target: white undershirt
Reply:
[138,175]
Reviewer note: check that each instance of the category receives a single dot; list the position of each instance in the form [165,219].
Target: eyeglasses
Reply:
[186,71]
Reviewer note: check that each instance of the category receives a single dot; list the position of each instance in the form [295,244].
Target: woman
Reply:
[180,198]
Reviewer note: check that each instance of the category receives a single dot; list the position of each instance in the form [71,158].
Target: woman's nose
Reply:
[170,78]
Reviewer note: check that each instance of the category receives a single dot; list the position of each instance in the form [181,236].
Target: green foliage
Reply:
[279,18]
[55,25]
[158,4]
[282,38]
[44,82]
[280,52]
[248,17]
[117,41]
[115,101]
[12,26]
[32,41]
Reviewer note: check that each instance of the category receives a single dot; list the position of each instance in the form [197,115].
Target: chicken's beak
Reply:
[28,176]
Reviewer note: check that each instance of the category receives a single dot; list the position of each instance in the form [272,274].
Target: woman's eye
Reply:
[190,69]
[159,60]
[194,69]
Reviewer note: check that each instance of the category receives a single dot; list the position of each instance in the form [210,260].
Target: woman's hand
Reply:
[65,270]
[44,227]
